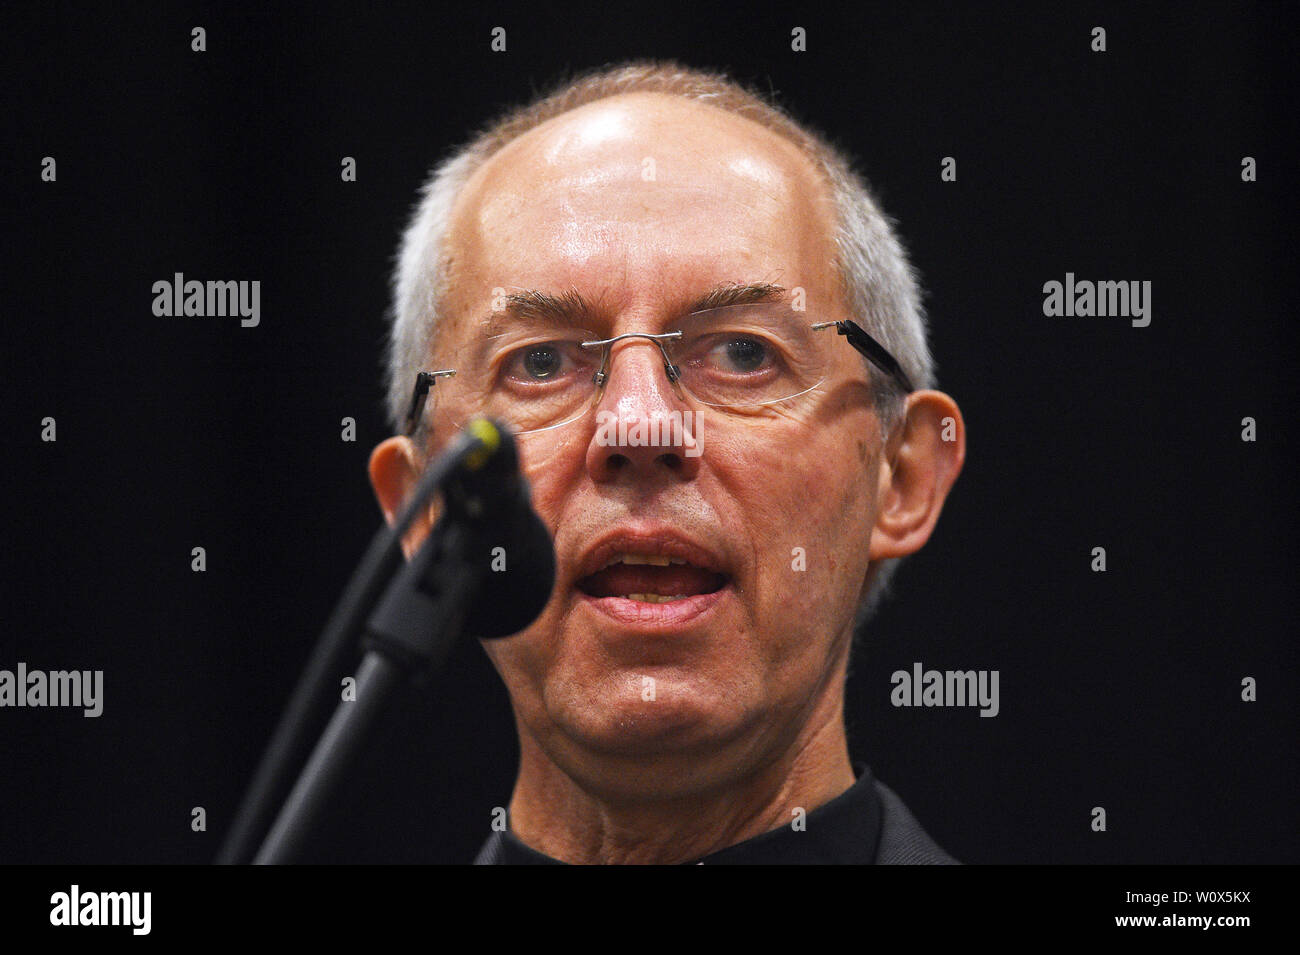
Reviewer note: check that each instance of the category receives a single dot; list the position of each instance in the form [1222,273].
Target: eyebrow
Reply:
[733,293]
[570,307]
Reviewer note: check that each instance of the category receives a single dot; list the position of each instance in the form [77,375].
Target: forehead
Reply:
[637,198]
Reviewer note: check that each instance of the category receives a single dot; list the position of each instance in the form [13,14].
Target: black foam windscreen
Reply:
[509,545]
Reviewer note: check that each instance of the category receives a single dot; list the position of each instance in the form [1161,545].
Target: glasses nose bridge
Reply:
[660,340]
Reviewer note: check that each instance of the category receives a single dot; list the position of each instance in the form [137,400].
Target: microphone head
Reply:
[510,545]
[520,578]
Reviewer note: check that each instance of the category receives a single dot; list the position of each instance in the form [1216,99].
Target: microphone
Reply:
[506,543]
[488,566]
[488,569]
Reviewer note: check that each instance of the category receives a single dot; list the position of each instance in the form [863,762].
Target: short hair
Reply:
[881,289]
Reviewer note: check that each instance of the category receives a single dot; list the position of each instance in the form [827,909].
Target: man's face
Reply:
[642,204]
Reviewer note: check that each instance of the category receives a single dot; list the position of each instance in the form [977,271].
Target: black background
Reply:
[1119,689]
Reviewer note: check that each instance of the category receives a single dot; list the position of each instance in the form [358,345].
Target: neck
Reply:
[554,814]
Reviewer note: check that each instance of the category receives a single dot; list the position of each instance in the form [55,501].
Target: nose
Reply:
[643,428]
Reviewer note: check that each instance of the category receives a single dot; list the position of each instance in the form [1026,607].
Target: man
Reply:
[641,274]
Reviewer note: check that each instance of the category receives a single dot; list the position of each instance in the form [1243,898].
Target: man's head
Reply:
[628,203]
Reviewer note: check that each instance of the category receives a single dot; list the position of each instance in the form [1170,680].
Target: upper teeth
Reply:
[655,560]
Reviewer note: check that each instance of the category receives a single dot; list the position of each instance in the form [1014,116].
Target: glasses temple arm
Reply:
[423,382]
[874,352]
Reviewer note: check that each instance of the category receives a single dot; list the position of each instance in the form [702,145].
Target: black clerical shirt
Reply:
[866,825]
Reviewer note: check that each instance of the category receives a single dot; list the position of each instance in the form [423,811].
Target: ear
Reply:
[394,472]
[918,466]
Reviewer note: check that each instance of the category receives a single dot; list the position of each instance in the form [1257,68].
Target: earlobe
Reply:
[394,473]
[918,471]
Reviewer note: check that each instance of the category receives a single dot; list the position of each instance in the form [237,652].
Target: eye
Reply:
[542,362]
[539,363]
[741,354]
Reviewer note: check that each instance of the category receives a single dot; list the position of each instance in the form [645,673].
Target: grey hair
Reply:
[881,288]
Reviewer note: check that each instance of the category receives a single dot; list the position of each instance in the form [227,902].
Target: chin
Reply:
[683,718]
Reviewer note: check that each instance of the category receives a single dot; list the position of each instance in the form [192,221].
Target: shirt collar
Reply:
[845,830]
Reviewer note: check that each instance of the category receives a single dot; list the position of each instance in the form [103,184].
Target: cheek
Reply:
[553,464]
[807,508]
[524,660]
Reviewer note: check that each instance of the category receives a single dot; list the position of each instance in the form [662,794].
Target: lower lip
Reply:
[651,617]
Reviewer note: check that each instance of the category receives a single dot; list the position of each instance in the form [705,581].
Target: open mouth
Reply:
[651,578]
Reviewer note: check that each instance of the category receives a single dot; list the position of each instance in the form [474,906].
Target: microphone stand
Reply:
[420,618]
